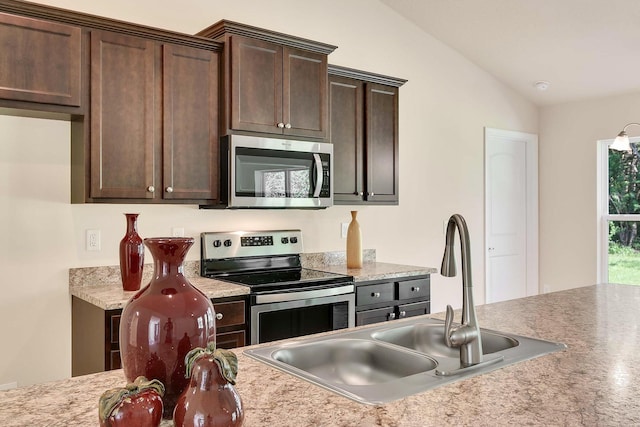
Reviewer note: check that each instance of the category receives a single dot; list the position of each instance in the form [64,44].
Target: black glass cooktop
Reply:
[287,279]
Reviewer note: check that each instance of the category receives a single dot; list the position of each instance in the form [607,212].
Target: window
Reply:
[619,212]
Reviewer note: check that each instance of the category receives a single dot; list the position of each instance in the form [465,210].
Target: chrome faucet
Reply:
[467,335]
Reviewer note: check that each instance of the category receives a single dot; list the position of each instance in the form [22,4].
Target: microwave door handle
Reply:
[319,174]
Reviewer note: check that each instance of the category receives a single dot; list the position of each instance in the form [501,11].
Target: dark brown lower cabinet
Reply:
[384,301]
[93,351]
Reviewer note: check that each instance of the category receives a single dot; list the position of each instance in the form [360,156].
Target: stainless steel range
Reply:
[286,300]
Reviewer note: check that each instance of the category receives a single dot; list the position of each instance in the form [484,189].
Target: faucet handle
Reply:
[448,326]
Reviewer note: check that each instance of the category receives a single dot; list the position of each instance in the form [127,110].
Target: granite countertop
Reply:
[593,382]
[102,286]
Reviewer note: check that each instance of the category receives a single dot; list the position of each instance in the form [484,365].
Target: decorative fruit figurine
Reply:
[210,399]
[137,404]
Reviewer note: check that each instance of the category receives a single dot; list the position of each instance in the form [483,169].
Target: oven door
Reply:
[296,313]
[276,173]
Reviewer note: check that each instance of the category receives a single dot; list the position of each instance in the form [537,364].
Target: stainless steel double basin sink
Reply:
[385,363]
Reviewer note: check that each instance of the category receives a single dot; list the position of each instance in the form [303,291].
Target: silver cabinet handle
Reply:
[415,289]
[281,125]
[358,193]
[287,126]
[403,314]
[169,189]
[219,316]
[392,316]
[151,189]
[375,294]
[370,194]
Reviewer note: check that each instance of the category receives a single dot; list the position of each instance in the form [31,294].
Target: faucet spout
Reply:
[466,336]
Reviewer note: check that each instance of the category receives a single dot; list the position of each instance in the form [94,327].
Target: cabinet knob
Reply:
[370,194]
[169,189]
[287,126]
[375,294]
[219,316]
[358,193]
[281,125]
[415,289]
[392,316]
[403,314]
[151,189]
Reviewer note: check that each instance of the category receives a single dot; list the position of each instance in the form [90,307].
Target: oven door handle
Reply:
[303,295]
[319,175]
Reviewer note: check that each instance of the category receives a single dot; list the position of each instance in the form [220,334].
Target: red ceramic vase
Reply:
[164,321]
[209,400]
[131,255]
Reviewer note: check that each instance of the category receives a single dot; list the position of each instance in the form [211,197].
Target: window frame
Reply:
[602,201]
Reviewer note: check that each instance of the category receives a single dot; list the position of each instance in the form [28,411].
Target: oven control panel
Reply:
[217,245]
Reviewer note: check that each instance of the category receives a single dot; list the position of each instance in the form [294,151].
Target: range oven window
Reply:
[295,322]
[274,173]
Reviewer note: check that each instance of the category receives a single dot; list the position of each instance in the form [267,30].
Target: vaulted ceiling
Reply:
[583,48]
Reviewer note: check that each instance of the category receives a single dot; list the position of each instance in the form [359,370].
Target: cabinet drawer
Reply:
[229,340]
[229,313]
[415,309]
[409,289]
[373,294]
[377,315]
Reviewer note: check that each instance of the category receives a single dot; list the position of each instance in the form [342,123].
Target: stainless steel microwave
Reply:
[262,172]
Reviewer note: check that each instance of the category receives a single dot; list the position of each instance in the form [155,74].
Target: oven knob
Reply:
[284,240]
[227,243]
[294,240]
[217,243]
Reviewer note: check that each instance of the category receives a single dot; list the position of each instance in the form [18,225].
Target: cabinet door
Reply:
[345,133]
[382,143]
[304,98]
[122,116]
[256,85]
[190,123]
[40,61]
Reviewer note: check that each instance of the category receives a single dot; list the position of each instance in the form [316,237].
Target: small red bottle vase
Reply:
[164,321]
[210,400]
[131,255]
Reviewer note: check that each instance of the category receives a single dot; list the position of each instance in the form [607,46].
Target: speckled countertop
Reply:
[594,382]
[102,286]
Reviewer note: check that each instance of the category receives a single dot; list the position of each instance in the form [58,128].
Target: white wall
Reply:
[443,110]
[568,212]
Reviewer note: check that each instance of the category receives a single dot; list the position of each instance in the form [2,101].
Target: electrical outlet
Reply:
[177,232]
[93,240]
[344,229]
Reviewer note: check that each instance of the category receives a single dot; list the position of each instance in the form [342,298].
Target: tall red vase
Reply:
[131,255]
[164,321]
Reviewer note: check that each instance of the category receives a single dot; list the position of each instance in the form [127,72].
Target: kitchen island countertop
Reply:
[594,382]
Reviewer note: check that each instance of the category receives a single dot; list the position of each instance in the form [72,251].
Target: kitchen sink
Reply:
[353,361]
[382,363]
[429,338]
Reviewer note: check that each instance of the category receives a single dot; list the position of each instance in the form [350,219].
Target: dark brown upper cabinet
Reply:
[274,83]
[40,61]
[364,132]
[153,120]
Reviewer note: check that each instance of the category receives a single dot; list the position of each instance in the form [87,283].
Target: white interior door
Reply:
[510,215]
